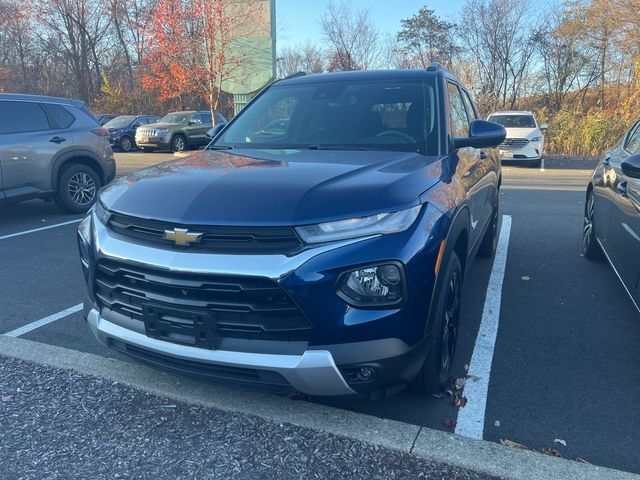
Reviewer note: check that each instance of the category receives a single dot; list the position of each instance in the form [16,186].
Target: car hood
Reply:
[522,132]
[291,187]
[162,125]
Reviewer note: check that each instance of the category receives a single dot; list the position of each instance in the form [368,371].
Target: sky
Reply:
[299,20]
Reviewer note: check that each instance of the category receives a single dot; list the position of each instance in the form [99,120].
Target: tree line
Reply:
[574,63]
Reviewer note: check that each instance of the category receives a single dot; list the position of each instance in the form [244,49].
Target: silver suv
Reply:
[52,148]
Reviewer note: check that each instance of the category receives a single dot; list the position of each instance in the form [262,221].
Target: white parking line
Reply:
[26,232]
[43,321]
[542,166]
[470,421]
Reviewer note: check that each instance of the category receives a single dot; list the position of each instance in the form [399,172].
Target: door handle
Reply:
[622,189]
[58,140]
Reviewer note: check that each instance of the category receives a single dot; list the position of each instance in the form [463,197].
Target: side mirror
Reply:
[544,126]
[482,134]
[213,132]
[631,166]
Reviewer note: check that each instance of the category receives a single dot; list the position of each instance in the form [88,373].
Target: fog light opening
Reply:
[364,374]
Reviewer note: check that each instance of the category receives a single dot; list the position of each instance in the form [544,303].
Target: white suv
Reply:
[525,140]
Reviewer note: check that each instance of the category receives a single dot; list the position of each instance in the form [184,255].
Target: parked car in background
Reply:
[103,118]
[122,130]
[52,147]
[612,212]
[178,131]
[525,138]
[326,255]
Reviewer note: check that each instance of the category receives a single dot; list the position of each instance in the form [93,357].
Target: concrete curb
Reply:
[432,445]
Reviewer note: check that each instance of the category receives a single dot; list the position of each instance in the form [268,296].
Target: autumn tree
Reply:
[195,45]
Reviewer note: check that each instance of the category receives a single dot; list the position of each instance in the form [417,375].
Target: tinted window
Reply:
[633,142]
[18,117]
[61,116]
[363,115]
[206,117]
[514,121]
[459,120]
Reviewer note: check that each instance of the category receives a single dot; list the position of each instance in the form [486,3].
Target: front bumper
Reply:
[532,151]
[153,142]
[314,372]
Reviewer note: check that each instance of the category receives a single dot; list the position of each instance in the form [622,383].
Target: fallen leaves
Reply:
[545,450]
[525,278]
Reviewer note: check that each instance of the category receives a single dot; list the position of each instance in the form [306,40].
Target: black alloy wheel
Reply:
[590,247]
[126,144]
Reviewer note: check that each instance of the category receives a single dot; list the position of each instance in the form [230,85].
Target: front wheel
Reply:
[435,374]
[77,188]
[178,144]
[126,144]
[590,247]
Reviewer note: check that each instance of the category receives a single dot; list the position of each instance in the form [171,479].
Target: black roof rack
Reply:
[295,75]
[435,66]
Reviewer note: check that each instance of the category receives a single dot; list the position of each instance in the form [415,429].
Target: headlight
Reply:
[84,238]
[373,286]
[101,212]
[536,139]
[162,131]
[383,223]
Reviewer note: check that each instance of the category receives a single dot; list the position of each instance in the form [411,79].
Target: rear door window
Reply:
[61,116]
[18,117]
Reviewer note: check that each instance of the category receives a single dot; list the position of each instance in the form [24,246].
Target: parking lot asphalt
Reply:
[563,364]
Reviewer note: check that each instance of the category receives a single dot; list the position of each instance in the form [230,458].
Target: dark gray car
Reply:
[178,131]
[52,148]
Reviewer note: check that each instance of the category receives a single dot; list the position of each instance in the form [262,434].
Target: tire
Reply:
[590,246]
[435,374]
[179,143]
[77,188]
[126,144]
[489,242]
[148,149]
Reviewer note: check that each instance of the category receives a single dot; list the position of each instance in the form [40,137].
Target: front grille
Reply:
[146,132]
[514,143]
[258,240]
[250,308]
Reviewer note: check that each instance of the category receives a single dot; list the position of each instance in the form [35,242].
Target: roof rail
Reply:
[435,66]
[295,75]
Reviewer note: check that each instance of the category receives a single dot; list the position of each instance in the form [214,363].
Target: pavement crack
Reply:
[415,440]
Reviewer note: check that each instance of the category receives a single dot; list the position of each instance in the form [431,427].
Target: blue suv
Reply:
[326,255]
[122,130]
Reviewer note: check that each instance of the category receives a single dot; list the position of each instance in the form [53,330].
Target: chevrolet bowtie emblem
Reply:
[182,236]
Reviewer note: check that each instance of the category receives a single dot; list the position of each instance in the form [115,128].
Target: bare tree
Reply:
[306,57]
[499,41]
[352,38]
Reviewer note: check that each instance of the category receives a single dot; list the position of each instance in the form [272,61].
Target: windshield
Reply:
[397,116]
[514,121]
[119,122]
[175,118]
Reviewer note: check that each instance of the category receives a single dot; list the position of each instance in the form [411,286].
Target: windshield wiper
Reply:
[219,147]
